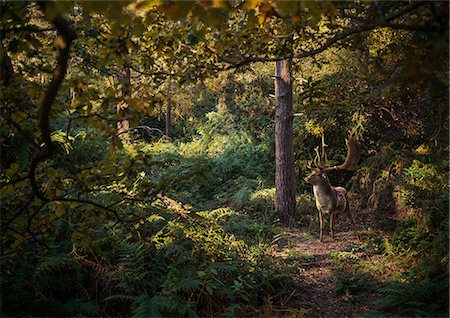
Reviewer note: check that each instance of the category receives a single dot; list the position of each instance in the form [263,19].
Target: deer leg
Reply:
[349,215]
[332,224]
[321,224]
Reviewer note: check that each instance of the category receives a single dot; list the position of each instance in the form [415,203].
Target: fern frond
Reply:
[52,264]
[160,306]
[118,298]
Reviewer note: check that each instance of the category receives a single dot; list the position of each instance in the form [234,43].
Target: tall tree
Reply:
[284,154]
[123,125]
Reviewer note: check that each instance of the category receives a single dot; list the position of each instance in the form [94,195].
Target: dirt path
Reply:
[317,281]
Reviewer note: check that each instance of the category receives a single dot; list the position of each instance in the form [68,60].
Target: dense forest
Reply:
[158,158]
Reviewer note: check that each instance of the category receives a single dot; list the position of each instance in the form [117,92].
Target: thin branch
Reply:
[146,128]
[416,28]
[31,217]
[105,208]
[15,181]
[384,22]
[25,207]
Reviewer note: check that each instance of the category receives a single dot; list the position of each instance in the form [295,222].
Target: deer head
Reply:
[320,167]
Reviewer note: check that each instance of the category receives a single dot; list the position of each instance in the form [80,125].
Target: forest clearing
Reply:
[224,158]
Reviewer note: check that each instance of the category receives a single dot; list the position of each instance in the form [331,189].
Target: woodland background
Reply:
[138,154]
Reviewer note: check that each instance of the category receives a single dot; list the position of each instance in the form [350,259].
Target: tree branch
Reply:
[105,208]
[145,128]
[14,181]
[385,21]
[67,36]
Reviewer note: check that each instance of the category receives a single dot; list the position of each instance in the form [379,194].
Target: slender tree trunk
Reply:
[284,154]
[123,125]
[168,119]
[168,111]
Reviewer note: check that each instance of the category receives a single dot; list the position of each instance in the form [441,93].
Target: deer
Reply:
[332,200]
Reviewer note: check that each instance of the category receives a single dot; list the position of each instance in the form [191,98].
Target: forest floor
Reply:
[341,277]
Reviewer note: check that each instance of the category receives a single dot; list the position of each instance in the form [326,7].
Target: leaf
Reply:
[147,4]
[222,4]
[251,19]
[251,4]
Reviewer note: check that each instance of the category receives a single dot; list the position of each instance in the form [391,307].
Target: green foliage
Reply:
[177,270]
[135,253]
[161,306]
[221,165]
[424,298]
[213,254]
[417,185]
[354,281]
[52,288]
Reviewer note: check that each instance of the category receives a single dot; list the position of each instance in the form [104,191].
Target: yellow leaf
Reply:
[251,4]
[75,103]
[261,18]
[423,150]
[147,5]
[223,4]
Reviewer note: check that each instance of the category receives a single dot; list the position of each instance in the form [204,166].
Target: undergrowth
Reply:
[415,188]
[190,264]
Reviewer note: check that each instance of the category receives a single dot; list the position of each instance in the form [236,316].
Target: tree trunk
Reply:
[168,119]
[284,154]
[168,111]
[123,125]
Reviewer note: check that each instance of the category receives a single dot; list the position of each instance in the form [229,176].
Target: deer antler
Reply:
[316,161]
[323,157]
[353,155]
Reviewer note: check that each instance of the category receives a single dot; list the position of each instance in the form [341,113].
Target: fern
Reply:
[52,264]
[118,298]
[78,307]
[181,279]
[132,261]
[160,306]
[418,298]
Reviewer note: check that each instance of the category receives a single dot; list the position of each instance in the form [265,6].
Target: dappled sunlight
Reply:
[188,158]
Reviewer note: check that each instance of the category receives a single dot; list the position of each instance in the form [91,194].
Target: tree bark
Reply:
[123,125]
[168,111]
[284,154]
